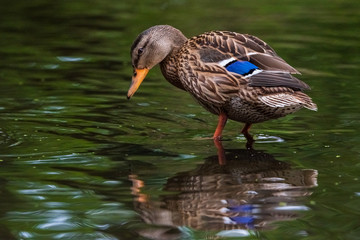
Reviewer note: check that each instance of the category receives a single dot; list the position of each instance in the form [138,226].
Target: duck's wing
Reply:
[216,64]
[251,57]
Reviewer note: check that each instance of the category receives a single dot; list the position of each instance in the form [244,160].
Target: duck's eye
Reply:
[140,51]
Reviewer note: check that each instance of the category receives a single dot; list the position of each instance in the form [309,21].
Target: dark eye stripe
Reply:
[141,49]
[135,45]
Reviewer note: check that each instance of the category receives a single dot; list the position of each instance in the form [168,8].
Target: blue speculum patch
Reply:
[241,67]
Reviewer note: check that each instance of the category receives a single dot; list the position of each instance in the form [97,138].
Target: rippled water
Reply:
[79,161]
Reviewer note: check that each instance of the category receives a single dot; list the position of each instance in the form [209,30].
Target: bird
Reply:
[232,75]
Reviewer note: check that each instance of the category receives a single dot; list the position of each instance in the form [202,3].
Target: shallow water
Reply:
[79,161]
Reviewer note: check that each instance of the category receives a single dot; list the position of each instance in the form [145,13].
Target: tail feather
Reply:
[311,106]
[307,101]
[280,100]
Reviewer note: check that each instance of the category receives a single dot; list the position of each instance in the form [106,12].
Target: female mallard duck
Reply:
[235,76]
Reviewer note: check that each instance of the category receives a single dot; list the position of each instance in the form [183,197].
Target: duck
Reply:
[232,75]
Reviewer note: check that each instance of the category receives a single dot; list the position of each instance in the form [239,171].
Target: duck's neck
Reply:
[169,64]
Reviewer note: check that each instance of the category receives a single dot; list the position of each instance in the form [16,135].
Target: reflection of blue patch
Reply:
[243,220]
[241,208]
[241,67]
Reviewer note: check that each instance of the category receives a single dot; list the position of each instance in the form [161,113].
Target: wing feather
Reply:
[244,47]
[213,85]
[276,79]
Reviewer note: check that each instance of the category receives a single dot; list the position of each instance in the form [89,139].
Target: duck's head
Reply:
[150,48]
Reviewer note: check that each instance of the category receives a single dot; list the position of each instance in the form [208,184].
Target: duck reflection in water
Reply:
[247,192]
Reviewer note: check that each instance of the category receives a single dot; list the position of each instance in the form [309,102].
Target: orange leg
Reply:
[220,126]
[249,138]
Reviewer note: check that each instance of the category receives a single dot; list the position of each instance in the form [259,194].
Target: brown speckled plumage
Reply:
[197,65]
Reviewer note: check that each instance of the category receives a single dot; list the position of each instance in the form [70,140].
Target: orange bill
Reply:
[137,79]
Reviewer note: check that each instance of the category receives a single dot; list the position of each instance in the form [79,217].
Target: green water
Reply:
[79,161]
